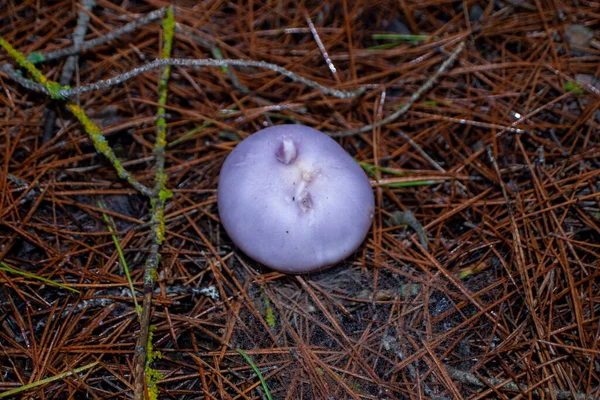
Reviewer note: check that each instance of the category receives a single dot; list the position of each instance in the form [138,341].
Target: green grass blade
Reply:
[410,184]
[385,46]
[189,134]
[257,371]
[370,168]
[7,268]
[23,388]
[218,55]
[399,36]
[121,255]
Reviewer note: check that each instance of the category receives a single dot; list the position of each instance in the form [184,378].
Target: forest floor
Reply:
[498,160]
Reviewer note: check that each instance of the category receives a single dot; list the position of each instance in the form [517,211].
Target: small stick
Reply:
[70,51]
[83,20]
[209,62]
[315,34]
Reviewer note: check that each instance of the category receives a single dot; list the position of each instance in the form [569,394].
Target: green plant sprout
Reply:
[257,371]
[115,239]
[574,87]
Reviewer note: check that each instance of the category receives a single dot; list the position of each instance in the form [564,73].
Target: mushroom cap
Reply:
[291,198]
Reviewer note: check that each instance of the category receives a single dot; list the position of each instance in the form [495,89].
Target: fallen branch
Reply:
[146,377]
[64,93]
[83,20]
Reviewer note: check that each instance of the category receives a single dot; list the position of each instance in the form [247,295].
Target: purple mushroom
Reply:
[291,198]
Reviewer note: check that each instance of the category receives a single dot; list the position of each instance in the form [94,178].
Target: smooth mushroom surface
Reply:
[291,198]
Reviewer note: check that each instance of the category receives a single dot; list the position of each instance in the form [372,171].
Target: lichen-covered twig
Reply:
[51,87]
[92,129]
[21,80]
[416,95]
[83,20]
[209,62]
[69,51]
[66,92]
[145,376]
[103,148]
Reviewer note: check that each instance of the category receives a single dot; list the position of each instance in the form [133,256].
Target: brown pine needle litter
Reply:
[478,118]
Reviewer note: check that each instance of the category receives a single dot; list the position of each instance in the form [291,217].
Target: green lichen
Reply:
[99,141]
[53,88]
[169,32]
[165,194]
[160,227]
[161,140]
[168,35]
[160,122]
[36,57]
[23,62]
[152,354]
[152,378]
[153,273]
[270,314]
[152,375]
